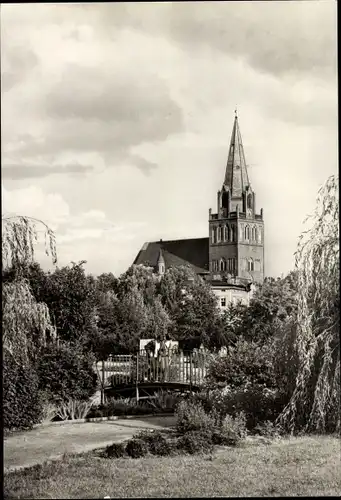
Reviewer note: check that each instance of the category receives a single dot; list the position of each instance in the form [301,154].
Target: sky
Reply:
[117,118]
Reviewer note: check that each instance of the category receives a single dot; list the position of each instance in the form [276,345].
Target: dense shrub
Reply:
[65,372]
[22,402]
[49,410]
[157,442]
[257,402]
[165,401]
[231,430]
[73,409]
[136,448]
[115,450]
[120,407]
[195,442]
[245,363]
[191,416]
[268,429]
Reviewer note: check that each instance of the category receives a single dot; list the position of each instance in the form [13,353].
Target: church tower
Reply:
[236,231]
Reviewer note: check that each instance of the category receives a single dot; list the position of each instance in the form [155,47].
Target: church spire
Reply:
[236,176]
[161,263]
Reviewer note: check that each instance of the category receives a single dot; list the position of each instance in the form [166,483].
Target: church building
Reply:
[231,258]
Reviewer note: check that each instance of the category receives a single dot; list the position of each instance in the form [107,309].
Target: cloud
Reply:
[142,164]
[17,62]
[32,201]
[140,98]
[15,172]
[279,38]
[87,105]
[78,235]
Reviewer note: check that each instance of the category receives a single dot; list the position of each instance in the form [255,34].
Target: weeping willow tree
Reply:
[25,322]
[314,405]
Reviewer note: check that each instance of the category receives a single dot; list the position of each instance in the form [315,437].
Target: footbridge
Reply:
[142,375]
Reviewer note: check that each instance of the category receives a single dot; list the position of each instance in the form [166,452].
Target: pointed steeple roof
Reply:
[160,259]
[236,176]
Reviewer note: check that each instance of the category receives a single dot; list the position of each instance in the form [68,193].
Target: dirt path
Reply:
[49,442]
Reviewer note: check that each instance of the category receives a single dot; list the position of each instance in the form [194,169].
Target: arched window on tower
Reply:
[219,234]
[233,233]
[259,235]
[214,235]
[247,233]
[253,233]
[250,265]
[231,265]
[256,234]
[222,264]
[227,232]
[225,200]
[249,200]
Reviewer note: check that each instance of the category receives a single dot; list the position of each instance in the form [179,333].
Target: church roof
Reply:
[192,252]
[236,176]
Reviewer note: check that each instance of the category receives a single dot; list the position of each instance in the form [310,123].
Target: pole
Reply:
[190,371]
[102,385]
[137,376]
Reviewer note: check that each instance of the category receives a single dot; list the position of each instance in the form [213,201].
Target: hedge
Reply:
[22,406]
[65,372]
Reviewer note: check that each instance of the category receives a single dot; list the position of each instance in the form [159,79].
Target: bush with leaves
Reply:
[191,416]
[22,402]
[115,450]
[158,443]
[195,442]
[231,431]
[257,403]
[66,372]
[136,448]
[123,406]
[165,401]
[73,409]
[245,363]
[268,429]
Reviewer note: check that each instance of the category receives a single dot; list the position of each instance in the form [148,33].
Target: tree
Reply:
[315,401]
[142,279]
[192,308]
[106,282]
[247,363]
[24,321]
[134,312]
[66,372]
[272,304]
[71,297]
[19,235]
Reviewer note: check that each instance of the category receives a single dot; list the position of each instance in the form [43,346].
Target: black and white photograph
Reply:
[170,249]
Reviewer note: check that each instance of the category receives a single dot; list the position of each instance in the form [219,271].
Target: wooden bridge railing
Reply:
[183,368]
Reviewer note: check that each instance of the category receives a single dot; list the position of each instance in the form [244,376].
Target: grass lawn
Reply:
[297,466]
